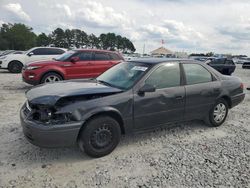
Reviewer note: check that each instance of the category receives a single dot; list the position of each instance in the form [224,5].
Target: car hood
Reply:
[49,94]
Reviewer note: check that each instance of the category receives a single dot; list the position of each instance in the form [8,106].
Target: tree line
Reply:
[21,37]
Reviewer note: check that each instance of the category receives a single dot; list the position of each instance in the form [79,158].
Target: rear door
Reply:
[166,104]
[229,67]
[218,64]
[102,62]
[202,89]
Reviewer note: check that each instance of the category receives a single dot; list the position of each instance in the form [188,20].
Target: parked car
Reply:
[246,65]
[15,62]
[9,52]
[130,97]
[223,65]
[71,65]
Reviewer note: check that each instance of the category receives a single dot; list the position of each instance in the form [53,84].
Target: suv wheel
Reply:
[218,113]
[100,136]
[51,77]
[15,67]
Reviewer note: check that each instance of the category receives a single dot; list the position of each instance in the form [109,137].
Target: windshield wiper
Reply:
[104,83]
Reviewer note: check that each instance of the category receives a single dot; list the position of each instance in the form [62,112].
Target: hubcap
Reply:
[101,137]
[52,78]
[219,112]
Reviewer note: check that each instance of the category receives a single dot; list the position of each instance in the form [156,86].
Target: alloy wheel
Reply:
[219,113]
[52,78]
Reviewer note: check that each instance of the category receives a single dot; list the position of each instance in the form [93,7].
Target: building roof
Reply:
[161,51]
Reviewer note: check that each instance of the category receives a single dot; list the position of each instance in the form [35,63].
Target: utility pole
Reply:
[143,51]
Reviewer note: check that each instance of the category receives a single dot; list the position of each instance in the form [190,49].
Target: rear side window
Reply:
[53,51]
[114,56]
[217,61]
[196,74]
[85,56]
[99,56]
[165,76]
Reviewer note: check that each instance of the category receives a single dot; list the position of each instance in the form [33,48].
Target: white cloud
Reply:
[194,26]
[16,9]
[173,31]
[65,8]
[96,14]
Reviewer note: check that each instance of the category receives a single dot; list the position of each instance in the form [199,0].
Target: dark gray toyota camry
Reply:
[130,97]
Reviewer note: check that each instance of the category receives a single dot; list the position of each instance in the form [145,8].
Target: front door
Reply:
[83,68]
[166,104]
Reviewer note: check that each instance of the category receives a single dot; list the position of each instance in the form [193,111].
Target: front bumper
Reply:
[237,99]
[49,135]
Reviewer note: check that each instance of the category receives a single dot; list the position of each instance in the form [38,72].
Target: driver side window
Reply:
[165,76]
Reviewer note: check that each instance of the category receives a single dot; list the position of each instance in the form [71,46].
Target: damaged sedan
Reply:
[130,97]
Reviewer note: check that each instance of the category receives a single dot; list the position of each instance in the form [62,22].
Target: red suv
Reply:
[73,64]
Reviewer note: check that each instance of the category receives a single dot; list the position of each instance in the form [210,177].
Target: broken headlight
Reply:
[50,116]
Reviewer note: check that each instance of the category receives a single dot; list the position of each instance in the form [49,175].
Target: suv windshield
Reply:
[124,75]
[64,56]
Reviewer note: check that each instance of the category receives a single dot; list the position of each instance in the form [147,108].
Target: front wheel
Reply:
[15,67]
[218,113]
[51,77]
[100,136]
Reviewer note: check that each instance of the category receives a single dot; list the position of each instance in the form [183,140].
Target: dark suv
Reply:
[223,65]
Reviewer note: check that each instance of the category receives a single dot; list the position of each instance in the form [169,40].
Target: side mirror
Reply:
[146,88]
[30,54]
[74,59]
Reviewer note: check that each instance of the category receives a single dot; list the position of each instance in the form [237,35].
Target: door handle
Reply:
[179,97]
[217,90]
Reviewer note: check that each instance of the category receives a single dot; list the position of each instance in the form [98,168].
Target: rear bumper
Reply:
[237,99]
[50,135]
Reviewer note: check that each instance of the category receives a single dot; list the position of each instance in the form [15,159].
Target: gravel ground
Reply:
[187,155]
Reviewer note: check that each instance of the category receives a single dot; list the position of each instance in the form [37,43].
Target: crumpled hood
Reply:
[49,94]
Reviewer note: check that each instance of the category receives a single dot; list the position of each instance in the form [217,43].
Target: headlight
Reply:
[32,67]
[3,57]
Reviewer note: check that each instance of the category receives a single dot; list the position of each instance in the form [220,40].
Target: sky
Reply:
[193,26]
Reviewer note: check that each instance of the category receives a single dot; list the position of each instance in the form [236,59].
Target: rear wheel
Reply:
[218,113]
[15,67]
[51,77]
[100,136]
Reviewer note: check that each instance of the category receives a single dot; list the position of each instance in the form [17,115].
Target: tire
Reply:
[15,67]
[216,119]
[100,136]
[51,77]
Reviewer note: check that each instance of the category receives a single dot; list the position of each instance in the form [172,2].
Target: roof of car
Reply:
[159,60]
[95,50]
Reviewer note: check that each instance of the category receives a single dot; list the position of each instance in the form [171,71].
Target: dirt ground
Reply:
[187,155]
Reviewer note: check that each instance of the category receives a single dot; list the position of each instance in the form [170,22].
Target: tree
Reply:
[21,37]
[43,40]
[16,37]
[58,38]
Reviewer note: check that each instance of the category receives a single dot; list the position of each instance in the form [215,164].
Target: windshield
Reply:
[124,75]
[65,56]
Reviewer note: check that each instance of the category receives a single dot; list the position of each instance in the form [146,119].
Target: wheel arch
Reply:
[228,100]
[104,112]
[12,61]
[52,71]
